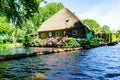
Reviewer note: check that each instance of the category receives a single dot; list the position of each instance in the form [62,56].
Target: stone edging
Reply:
[23,55]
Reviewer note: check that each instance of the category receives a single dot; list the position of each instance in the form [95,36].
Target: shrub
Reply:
[94,43]
[1,40]
[71,42]
[98,39]
[114,38]
[51,42]
[27,41]
[20,39]
[84,42]
[4,40]
[58,38]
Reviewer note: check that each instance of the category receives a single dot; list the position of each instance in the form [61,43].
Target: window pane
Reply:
[74,32]
[42,34]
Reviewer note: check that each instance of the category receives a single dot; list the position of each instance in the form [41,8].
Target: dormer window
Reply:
[67,20]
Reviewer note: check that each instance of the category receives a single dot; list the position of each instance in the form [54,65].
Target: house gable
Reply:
[63,20]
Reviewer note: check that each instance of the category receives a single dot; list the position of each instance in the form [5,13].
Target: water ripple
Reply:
[102,63]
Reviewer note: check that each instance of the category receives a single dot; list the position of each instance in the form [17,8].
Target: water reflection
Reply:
[102,63]
[15,50]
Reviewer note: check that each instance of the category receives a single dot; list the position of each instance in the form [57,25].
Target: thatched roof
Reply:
[63,19]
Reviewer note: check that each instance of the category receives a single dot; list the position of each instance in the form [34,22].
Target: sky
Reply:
[105,12]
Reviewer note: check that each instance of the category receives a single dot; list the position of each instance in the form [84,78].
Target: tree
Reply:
[105,29]
[92,24]
[118,33]
[5,28]
[39,17]
[18,11]
[45,12]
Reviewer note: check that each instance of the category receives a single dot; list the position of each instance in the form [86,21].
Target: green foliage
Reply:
[25,16]
[28,40]
[93,25]
[33,23]
[7,46]
[98,39]
[118,34]
[1,40]
[5,39]
[44,13]
[72,42]
[94,43]
[4,26]
[58,38]
[1,12]
[114,38]
[18,11]
[105,29]
[84,42]
[21,32]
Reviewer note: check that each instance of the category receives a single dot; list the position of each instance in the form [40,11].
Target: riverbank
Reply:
[38,51]
[100,63]
[9,45]
[47,50]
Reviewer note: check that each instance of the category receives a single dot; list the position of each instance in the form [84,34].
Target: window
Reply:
[64,33]
[42,35]
[53,33]
[50,34]
[57,34]
[74,32]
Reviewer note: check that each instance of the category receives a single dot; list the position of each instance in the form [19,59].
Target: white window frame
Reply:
[74,32]
[50,34]
[64,33]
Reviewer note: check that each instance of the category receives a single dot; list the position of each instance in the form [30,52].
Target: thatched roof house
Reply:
[61,23]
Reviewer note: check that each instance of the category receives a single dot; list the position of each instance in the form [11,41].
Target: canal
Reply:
[101,63]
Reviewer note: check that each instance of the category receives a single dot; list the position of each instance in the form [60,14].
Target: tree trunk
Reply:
[15,35]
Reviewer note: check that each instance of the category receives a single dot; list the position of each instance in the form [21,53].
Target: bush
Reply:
[94,43]
[58,38]
[71,42]
[27,41]
[98,39]
[9,39]
[84,42]
[1,40]
[114,38]
[20,39]
[4,40]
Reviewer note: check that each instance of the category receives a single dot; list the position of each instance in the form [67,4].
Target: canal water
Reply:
[102,63]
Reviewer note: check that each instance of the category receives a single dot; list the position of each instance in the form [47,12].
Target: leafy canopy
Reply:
[18,11]
[94,25]
[39,17]
[105,29]
[4,26]
[118,33]
[46,12]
